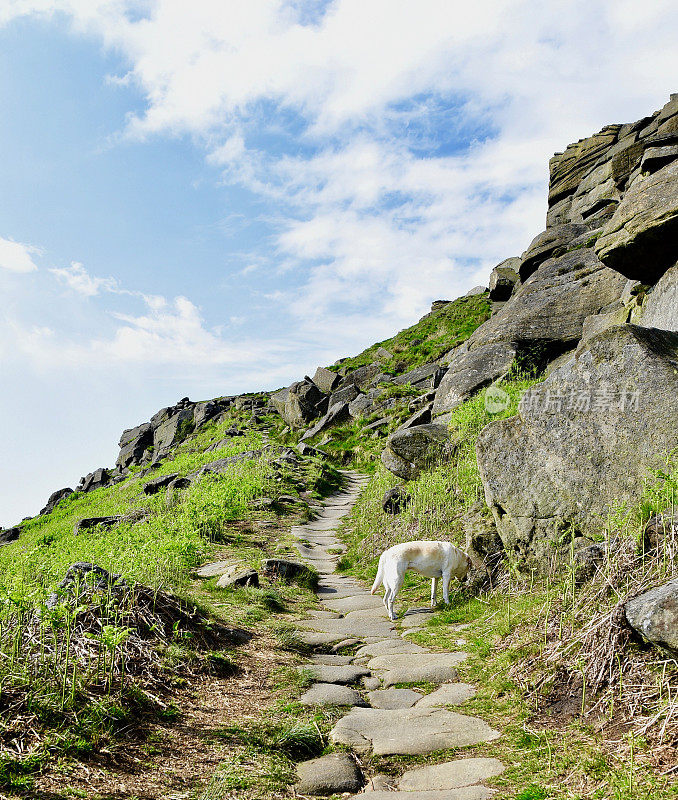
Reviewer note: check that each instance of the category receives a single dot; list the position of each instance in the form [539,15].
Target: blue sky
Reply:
[206,198]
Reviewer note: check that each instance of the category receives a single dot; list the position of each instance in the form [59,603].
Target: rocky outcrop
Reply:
[94,480]
[409,451]
[503,279]
[613,214]
[654,615]
[640,239]
[134,444]
[152,441]
[54,499]
[8,535]
[583,438]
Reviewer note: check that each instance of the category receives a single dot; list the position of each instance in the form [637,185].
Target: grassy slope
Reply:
[428,339]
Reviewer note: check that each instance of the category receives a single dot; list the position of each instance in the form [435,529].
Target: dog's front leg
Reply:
[434,590]
[447,577]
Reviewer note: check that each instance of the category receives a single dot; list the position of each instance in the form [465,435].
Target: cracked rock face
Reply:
[584,438]
[640,239]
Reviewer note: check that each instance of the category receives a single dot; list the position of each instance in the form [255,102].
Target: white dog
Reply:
[435,560]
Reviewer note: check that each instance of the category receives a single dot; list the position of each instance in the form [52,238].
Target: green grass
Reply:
[430,338]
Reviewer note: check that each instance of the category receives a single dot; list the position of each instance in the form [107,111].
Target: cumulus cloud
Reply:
[17,257]
[403,144]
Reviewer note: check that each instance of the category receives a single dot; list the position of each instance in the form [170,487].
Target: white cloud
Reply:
[79,280]
[17,257]
[403,143]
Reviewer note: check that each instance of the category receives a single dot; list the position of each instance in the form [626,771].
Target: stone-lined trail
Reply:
[382,719]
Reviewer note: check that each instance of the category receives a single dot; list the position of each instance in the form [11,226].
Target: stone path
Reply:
[381,719]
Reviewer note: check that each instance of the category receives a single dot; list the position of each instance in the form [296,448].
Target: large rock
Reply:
[134,444]
[345,394]
[426,376]
[162,482]
[95,522]
[503,279]
[55,498]
[549,309]
[172,428]
[654,615]
[469,372]
[584,438]
[552,242]
[326,380]
[337,414]
[361,377]
[8,535]
[331,774]
[660,309]
[543,319]
[641,239]
[409,451]
[94,480]
[207,411]
[299,404]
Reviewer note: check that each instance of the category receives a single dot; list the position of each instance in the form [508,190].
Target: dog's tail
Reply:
[380,575]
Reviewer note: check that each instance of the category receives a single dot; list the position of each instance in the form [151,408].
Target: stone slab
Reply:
[324,673]
[410,731]
[331,660]
[323,614]
[389,646]
[451,774]
[349,627]
[331,694]
[416,617]
[215,569]
[393,698]
[449,694]
[316,639]
[357,602]
[430,667]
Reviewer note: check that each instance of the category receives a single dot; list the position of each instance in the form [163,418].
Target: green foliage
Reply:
[389,390]
[430,338]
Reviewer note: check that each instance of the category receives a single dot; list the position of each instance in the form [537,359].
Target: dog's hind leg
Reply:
[395,588]
[434,589]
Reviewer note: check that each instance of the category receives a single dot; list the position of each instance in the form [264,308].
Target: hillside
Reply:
[533,423]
